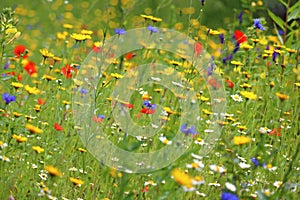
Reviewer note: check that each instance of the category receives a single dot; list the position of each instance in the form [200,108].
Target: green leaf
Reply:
[284,3]
[278,35]
[276,19]
[293,14]
[296,6]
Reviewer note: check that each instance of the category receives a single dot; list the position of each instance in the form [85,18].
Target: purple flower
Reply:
[152,29]
[240,17]
[8,98]
[274,56]
[202,2]
[281,32]
[192,130]
[120,31]
[255,161]
[258,25]
[6,66]
[229,196]
[83,91]
[101,116]
[236,47]
[221,36]
[149,105]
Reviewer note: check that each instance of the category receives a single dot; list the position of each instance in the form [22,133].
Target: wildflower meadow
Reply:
[149,99]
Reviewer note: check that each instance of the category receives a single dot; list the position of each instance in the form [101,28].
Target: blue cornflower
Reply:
[120,31]
[101,116]
[83,91]
[258,25]
[229,196]
[149,105]
[236,47]
[240,17]
[255,161]
[184,128]
[8,98]
[152,29]
[274,56]
[221,36]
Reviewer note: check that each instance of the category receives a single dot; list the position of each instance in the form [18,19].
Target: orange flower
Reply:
[53,171]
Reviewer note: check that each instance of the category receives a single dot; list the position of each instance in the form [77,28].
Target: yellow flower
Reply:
[46,54]
[282,96]
[175,63]
[86,32]
[68,26]
[37,108]
[182,178]
[245,85]
[76,181]
[246,46]
[213,32]
[20,138]
[33,129]
[38,149]
[207,112]
[249,95]
[236,63]
[80,37]
[48,77]
[53,171]
[239,140]
[82,150]
[16,85]
[169,110]
[116,75]
[17,114]
[31,90]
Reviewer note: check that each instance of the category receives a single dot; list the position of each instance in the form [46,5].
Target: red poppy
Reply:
[146,189]
[11,73]
[230,84]
[214,83]
[147,111]
[275,132]
[96,49]
[41,101]
[130,55]
[19,77]
[198,49]
[240,36]
[58,127]
[20,50]
[97,119]
[30,68]
[67,71]
[128,105]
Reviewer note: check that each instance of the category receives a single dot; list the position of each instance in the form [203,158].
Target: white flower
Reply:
[164,140]
[196,156]
[230,186]
[201,194]
[236,97]
[217,168]
[43,176]
[244,165]
[197,164]
[199,141]
[188,189]
[215,184]
[34,166]
[277,184]
[264,130]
